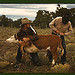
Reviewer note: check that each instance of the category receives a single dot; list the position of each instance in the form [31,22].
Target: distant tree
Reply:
[60,12]
[42,19]
[59,6]
[38,19]
[52,15]
[17,23]
[72,10]
[10,23]
[4,21]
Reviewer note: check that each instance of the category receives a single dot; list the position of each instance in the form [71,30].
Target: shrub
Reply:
[3,64]
[60,68]
[72,40]
[70,46]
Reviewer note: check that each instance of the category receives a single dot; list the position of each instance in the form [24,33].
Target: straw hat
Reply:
[26,21]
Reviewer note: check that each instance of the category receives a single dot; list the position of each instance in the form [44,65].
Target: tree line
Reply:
[42,18]
[7,22]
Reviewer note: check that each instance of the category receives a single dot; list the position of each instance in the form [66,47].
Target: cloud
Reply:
[15,17]
[28,10]
[13,11]
[70,6]
[26,6]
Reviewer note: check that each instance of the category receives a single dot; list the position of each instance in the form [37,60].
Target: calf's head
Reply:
[12,39]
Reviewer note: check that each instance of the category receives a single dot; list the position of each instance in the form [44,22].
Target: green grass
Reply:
[8,54]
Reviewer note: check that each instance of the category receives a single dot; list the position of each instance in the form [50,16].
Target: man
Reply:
[28,30]
[61,26]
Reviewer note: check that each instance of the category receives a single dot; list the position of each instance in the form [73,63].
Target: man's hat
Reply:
[26,21]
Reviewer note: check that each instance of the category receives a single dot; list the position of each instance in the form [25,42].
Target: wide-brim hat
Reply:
[26,21]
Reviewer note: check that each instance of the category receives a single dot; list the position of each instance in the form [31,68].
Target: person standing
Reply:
[61,26]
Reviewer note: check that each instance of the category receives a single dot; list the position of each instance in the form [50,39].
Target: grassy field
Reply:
[8,54]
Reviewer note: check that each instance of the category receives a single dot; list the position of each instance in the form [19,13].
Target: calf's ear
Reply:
[15,35]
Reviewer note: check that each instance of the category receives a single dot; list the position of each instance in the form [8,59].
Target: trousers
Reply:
[34,56]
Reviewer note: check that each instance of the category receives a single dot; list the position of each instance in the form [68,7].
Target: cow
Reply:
[44,42]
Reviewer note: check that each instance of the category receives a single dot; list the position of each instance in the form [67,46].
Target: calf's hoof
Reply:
[53,63]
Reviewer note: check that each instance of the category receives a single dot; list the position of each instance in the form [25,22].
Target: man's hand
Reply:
[26,39]
[62,34]
[58,32]
[20,42]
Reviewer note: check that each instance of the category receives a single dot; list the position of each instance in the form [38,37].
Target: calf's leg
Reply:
[49,54]
[19,55]
[55,55]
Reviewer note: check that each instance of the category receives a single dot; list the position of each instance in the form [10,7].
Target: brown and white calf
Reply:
[47,42]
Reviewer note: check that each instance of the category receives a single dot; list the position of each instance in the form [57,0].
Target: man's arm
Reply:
[34,35]
[51,25]
[70,29]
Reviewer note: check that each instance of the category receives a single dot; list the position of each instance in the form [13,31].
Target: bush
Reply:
[67,41]
[3,64]
[72,40]
[70,46]
[10,56]
[60,68]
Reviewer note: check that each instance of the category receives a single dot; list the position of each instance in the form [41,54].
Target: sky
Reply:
[17,11]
